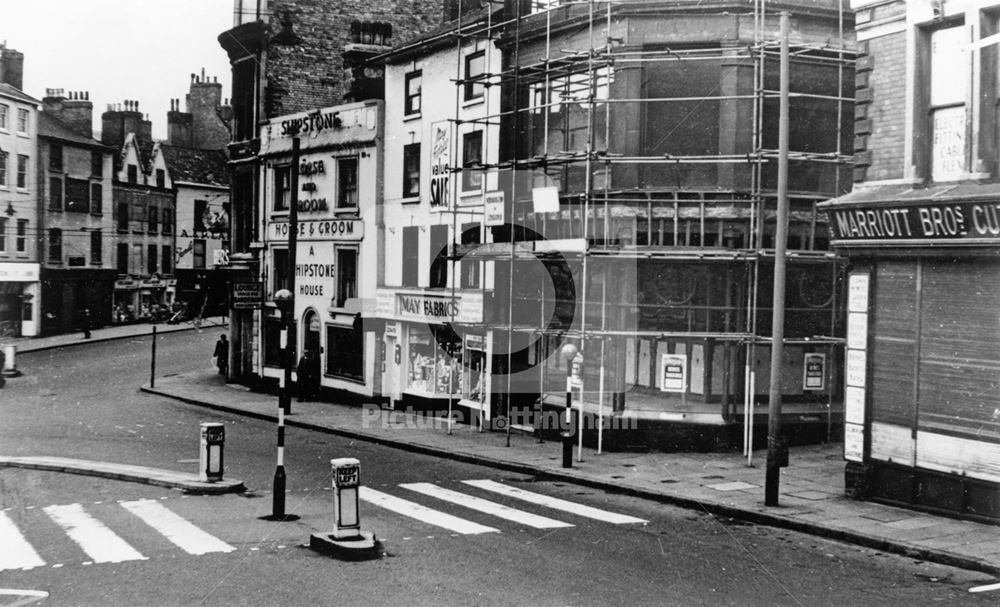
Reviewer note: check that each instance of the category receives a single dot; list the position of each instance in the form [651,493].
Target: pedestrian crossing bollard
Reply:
[347,541]
[346,482]
[213,439]
[9,366]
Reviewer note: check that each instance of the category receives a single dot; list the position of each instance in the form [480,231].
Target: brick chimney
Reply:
[204,100]
[11,67]
[178,125]
[121,119]
[75,110]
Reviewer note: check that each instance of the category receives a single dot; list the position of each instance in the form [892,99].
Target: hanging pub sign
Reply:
[959,222]
[814,371]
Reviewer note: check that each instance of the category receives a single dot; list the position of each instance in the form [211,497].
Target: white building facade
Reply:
[438,150]
[337,251]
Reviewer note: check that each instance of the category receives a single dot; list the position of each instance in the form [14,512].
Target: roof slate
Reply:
[196,166]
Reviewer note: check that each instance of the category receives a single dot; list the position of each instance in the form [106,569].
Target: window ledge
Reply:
[474,101]
[412,200]
[411,117]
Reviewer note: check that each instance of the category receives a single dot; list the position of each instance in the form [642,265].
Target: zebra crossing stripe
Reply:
[16,552]
[481,505]
[422,513]
[99,542]
[554,502]
[175,528]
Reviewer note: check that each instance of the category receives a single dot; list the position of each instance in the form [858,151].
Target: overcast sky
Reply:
[144,50]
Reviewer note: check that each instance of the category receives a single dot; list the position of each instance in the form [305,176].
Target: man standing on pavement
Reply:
[88,324]
[221,354]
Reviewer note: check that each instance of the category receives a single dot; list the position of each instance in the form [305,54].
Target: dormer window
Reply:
[133,173]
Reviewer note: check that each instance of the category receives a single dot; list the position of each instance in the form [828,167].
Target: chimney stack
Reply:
[75,111]
[11,67]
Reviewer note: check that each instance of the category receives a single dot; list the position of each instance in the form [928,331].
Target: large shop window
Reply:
[346,352]
[430,369]
[949,71]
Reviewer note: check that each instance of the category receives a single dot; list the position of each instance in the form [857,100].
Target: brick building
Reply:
[76,246]
[19,217]
[292,56]
[921,230]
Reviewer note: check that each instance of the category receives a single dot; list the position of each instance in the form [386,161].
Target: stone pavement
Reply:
[108,333]
[811,489]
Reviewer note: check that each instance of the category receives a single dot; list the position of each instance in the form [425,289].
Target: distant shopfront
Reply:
[142,299]
[19,299]
[922,404]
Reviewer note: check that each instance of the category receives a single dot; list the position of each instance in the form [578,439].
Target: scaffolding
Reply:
[661,142]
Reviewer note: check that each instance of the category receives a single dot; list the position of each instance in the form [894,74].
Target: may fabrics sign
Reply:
[899,224]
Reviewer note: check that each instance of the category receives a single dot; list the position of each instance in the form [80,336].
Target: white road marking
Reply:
[100,543]
[481,505]
[986,588]
[554,502]
[175,528]
[27,596]
[421,513]
[17,553]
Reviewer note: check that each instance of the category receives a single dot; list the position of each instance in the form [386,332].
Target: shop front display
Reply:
[923,428]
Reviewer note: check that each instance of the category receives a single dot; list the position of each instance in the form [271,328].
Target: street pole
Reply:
[293,235]
[283,300]
[569,352]
[152,362]
[774,444]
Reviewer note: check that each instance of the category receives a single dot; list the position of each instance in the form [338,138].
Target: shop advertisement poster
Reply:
[673,372]
[854,442]
[814,371]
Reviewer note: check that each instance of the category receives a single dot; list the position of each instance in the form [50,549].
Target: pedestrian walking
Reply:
[221,354]
[88,323]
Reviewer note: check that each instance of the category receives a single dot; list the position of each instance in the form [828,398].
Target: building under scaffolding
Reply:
[637,168]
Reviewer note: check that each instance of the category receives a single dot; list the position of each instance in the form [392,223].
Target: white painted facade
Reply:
[418,309]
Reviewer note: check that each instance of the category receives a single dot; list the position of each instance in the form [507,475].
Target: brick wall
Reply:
[310,74]
[886,112]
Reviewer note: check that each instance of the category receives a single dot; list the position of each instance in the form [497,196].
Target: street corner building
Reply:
[921,231]
[327,163]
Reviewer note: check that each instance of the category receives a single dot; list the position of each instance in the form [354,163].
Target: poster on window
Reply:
[440,164]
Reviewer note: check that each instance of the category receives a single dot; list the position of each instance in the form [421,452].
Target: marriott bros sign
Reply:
[951,221]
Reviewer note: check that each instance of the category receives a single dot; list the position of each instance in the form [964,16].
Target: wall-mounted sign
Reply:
[440,163]
[673,372]
[247,295]
[493,208]
[324,229]
[430,307]
[854,442]
[958,222]
[18,272]
[392,329]
[814,371]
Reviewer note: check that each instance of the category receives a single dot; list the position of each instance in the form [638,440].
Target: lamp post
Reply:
[283,299]
[569,352]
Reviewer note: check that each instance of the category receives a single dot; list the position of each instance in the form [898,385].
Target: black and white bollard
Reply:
[210,462]
[346,541]
[9,366]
